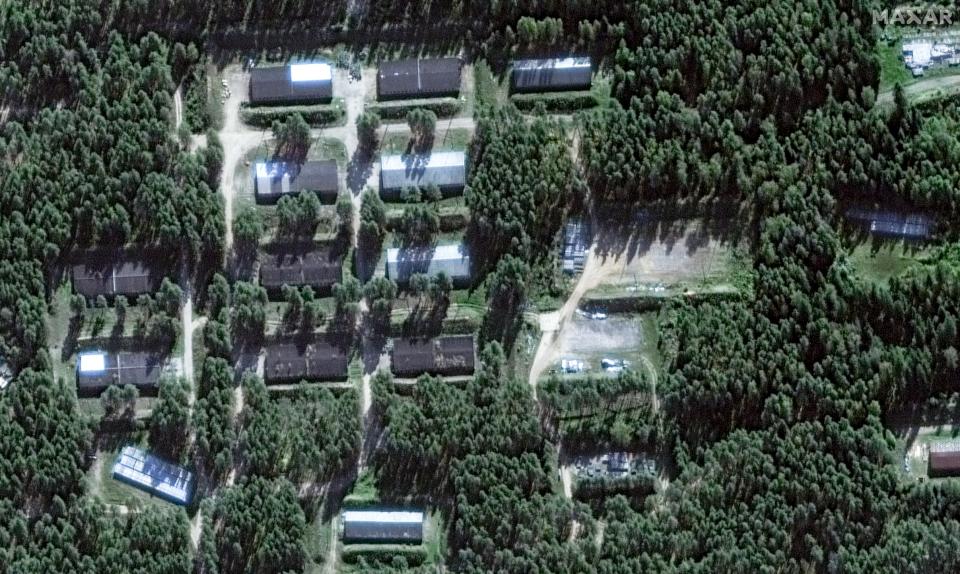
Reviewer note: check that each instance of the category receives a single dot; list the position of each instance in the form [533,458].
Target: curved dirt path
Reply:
[552,324]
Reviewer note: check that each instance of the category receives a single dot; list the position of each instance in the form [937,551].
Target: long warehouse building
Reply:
[551,75]
[447,356]
[299,265]
[98,370]
[307,83]
[382,526]
[453,260]
[417,78]
[447,170]
[273,180]
[289,362]
[111,275]
[153,475]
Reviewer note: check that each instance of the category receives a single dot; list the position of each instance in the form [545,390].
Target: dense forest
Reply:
[774,405]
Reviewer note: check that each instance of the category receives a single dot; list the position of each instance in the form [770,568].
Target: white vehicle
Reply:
[571,366]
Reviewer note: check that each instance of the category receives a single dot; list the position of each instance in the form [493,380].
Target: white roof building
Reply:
[452,260]
[138,468]
[446,169]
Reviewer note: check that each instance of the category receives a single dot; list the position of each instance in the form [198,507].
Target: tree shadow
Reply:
[359,169]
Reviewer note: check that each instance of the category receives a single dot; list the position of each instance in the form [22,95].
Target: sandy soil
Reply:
[662,252]
[588,336]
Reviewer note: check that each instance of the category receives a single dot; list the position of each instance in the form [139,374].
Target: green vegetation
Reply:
[396,111]
[775,403]
[318,115]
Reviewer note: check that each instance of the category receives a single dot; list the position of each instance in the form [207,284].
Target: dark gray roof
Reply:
[551,74]
[893,223]
[276,85]
[450,356]
[140,369]
[275,179]
[416,78]
[111,274]
[379,526]
[316,360]
[446,170]
[295,264]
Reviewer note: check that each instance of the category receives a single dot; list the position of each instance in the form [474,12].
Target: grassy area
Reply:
[460,319]
[398,142]
[878,262]
[892,68]
[364,491]
[317,544]
[276,311]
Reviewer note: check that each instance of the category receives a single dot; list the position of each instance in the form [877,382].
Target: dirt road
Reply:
[552,324]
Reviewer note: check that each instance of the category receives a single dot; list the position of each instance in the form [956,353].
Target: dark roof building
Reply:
[151,474]
[447,170]
[382,527]
[272,180]
[117,275]
[294,84]
[551,74]
[416,78]
[449,356]
[944,459]
[319,266]
[893,223]
[452,260]
[295,361]
[97,370]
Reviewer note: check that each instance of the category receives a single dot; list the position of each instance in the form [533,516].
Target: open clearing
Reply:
[626,336]
[664,257]
[879,261]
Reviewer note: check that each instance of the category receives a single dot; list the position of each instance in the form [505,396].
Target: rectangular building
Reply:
[111,275]
[308,83]
[893,223]
[551,75]
[944,459]
[289,362]
[452,260]
[294,264]
[446,356]
[97,370]
[576,240]
[417,78]
[382,527]
[447,170]
[153,475]
[273,180]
